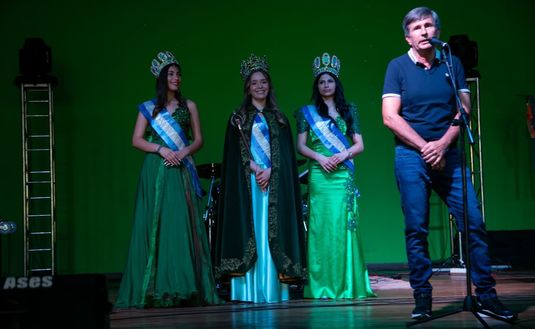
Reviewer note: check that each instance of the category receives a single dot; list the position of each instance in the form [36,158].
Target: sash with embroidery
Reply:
[173,136]
[328,133]
[260,147]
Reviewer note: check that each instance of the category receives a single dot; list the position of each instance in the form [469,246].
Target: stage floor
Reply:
[390,309]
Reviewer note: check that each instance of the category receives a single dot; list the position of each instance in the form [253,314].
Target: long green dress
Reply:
[169,259]
[336,264]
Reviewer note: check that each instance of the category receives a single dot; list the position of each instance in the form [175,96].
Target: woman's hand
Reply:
[262,178]
[182,154]
[171,158]
[261,175]
[340,157]
[327,163]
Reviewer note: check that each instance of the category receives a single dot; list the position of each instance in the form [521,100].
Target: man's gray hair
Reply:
[418,14]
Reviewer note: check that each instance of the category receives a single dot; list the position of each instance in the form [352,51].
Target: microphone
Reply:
[435,42]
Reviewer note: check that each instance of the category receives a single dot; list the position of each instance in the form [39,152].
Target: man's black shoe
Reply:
[496,308]
[423,307]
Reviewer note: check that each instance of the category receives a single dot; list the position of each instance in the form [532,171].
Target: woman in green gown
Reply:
[169,259]
[329,135]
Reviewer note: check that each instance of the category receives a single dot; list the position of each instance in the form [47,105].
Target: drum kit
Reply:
[212,172]
[303,179]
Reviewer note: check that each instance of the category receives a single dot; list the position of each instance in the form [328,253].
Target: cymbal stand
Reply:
[209,212]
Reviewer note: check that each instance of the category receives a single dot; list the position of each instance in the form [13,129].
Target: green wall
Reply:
[101,52]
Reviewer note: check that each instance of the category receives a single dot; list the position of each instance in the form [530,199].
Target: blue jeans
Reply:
[415,181]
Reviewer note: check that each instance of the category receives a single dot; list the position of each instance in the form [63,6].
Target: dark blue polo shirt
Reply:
[427,98]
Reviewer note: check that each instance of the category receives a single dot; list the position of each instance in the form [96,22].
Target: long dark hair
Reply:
[339,100]
[161,90]
[271,102]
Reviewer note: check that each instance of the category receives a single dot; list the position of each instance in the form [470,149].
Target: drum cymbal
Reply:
[209,170]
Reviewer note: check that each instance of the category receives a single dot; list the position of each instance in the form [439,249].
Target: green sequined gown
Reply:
[336,264]
[169,259]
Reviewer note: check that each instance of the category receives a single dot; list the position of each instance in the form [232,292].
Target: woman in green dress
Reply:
[329,135]
[169,259]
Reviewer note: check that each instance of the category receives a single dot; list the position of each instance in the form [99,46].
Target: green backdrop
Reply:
[101,52]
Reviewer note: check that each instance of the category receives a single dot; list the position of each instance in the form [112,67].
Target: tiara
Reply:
[163,59]
[326,64]
[252,64]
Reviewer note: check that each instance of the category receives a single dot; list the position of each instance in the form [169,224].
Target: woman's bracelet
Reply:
[158,149]
[349,155]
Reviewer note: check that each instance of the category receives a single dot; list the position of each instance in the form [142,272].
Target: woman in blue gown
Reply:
[260,232]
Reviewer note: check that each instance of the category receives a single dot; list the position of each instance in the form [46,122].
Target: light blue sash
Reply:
[173,136]
[260,147]
[328,133]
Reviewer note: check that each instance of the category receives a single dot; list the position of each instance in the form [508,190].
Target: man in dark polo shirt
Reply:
[419,107]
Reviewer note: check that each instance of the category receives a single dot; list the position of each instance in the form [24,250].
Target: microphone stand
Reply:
[469,304]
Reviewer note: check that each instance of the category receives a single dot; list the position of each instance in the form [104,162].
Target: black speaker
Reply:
[466,49]
[63,301]
[35,58]
[514,248]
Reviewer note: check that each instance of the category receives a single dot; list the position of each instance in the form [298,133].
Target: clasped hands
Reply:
[172,158]
[261,175]
[330,164]
[433,154]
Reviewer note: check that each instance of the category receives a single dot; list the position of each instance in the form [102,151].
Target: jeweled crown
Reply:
[163,59]
[252,64]
[326,63]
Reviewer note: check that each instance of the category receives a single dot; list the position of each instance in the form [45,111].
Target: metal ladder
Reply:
[38,179]
[475,165]
[476,152]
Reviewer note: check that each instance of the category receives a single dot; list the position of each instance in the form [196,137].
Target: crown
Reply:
[163,59]
[252,64]
[326,64]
